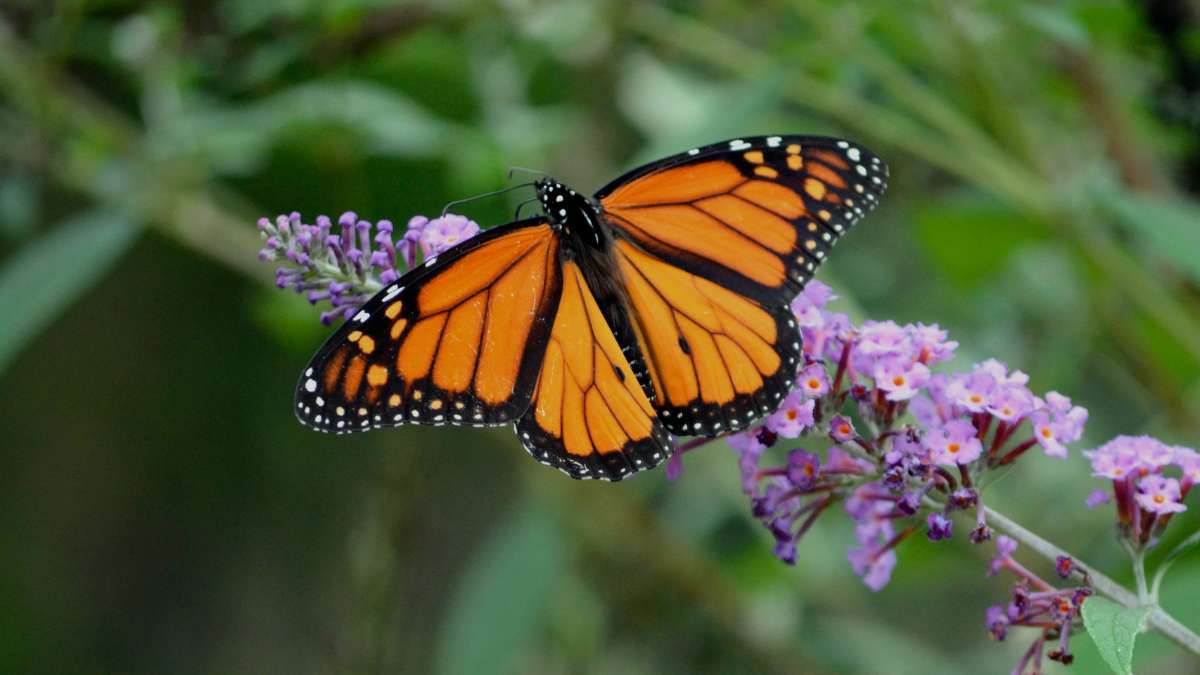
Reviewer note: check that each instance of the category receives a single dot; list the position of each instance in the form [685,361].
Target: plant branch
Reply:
[1158,618]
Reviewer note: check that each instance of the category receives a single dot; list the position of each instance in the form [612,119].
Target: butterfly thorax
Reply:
[573,215]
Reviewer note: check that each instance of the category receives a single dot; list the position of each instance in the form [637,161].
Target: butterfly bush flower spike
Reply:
[1036,603]
[1149,481]
[909,440]
[343,264]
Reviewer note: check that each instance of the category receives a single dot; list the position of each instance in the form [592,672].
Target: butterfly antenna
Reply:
[484,195]
[521,169]
[527,202]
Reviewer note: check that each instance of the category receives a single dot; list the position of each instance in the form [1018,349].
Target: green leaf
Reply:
[42,279]
[501,601]
[1114,628]
[1168,226]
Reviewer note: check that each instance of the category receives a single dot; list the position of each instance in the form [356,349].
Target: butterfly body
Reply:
[658,306]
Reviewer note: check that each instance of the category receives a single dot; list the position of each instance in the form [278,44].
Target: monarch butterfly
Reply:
[599,328]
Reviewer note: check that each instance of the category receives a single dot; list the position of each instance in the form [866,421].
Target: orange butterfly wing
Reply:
[589,416]
[712,245]
[458,341]
[756,215]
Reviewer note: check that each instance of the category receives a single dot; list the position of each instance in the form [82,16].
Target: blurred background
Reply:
[162,511]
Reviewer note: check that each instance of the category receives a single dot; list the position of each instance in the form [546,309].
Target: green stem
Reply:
[1139,575]
[1158,618]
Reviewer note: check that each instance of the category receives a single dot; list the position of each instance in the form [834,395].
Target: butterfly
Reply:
[607,324]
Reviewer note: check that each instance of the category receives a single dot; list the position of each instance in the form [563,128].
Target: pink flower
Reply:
[793,417]
[999,372]
[900,381]
[1010,402]
[441,234]
[1159,495]
[954,443]
[1151,453]
[840,461]
[1044,432]
[1188,461]
[971,392]
[931,344]
[814,297]
[880,340]
[813,381]
[874,530]
[748,449]
[841,429]
[1114,460]
[874,566]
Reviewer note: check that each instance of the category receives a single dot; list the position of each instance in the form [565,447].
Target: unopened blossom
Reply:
[938,527]
[1096,498]
[1005,547]
[343,264]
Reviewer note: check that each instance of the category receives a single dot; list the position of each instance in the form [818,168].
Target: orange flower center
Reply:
[898,380]
[814,383]
[1046,433]
[952,448]
[792,414]
[844,429]
[1158,499]
[976,398]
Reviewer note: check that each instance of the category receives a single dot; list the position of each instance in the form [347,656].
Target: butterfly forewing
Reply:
[756,215]
[458,341]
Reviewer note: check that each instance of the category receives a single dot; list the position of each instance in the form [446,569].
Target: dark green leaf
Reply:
[501,601]
[42,279]
[1114,629]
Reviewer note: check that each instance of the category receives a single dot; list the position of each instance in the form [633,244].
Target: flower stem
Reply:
[1158,618]
[1139,574]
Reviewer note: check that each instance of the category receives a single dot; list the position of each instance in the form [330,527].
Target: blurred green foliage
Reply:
[163,512]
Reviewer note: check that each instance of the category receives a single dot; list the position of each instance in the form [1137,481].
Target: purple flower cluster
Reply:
[907,440]
[1037,603]
[344,264]
[1145,496]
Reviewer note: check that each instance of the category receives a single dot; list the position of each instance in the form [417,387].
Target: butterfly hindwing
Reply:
[717,360]
[589,416]
[456,341]
[756,215]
